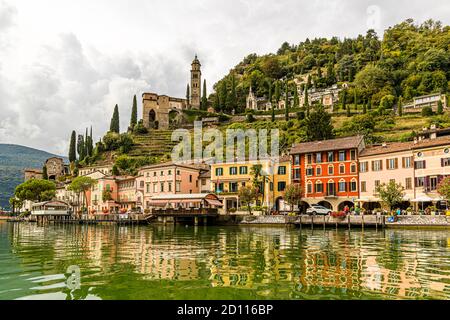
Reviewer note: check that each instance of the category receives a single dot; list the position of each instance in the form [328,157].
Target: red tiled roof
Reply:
[327,145]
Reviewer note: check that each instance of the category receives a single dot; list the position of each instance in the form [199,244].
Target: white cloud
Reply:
[65,64]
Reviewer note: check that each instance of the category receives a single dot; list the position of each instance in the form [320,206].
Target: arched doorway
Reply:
[325,204]
[52,177]
[152,119]
[279,204]
[342,205]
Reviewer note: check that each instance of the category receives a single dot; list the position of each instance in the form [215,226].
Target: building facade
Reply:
[328,171]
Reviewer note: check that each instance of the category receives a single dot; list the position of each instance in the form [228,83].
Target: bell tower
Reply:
[196,80]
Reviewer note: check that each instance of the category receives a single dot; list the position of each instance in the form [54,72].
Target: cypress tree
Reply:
[188,94]
[296,99]
[86,143]
[364,107]
[277,94]
[233,98]
[217,103]
[273,113]
[44,173]
[400,107]
[72,147]
[80,147]
[223,96]
[133,120]
[440,107]
[286,102]
[204,104]
[115,122]
[90,144]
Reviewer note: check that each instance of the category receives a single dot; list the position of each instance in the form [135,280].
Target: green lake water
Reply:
[177,262]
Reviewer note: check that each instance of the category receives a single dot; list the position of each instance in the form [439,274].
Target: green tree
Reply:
[247,195]
[273,113]
[44,173]
[188,94]
[36,190]
[391,194]
[443,188]
[318,125]
[115,170]
[427,111]
[80,185]
[364,111]
[440,108]
[286,102]
[204,102]
[72,147]
[296,98]
[400,107]
[355,99]
[293,195]
[126,142]
[277,94]
[133,120]
[80,147]
[15,204]
[115,121]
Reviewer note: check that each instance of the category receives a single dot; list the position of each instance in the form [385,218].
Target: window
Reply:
[155,187]
[319,187]
[309,187]
[445,162]
[392,164]
[169,187]
[353,186]
[407,162]
[309,171]
[233,187]
[363,166]
[271,186]
[330,170]
[342,186]
[190,178]
[309,158]
[282,170]
[162,186]
[420,181]
[318,157]
[148,188]
[297,173]
[420,164]
[297,160]
[352,154]
[341,155]
[342,169]
[363,186]
[203,182]
[178,187]
[377,165]
[219,171]
[169,172]
[408,183]
[353,168]
[233,171]
[330,156]
[178,172]
[242,170]
[141,184]
[281,186]
[319,171]
[162,173]
[433,183]
[154,174]
[377,183]
[219,187]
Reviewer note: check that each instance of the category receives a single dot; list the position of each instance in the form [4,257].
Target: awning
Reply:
[213,202]
[423,198]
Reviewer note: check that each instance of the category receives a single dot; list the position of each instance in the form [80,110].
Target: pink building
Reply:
[166,179]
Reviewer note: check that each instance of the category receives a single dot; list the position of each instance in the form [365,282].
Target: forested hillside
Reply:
[410,60]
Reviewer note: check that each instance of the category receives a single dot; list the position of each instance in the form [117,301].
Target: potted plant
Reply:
[338,215]
[105,211]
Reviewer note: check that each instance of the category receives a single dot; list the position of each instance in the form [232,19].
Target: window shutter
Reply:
[387,163]
[403,162]
[442,162]
[396,163]
[381,165]
[424,164]
[373,165]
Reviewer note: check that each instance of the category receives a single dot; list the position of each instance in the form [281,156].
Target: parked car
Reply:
[316,209]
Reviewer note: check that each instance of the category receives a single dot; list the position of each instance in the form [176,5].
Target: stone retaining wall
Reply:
[420,221]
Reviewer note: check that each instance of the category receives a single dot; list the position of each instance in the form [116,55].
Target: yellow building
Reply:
[228,178]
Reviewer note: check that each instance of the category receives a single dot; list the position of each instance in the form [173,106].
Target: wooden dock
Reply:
[361,221]
[120,219]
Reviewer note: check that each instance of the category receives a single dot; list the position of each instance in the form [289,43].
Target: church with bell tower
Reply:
[196,84]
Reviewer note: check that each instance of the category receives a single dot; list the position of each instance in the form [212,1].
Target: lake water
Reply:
[177,262]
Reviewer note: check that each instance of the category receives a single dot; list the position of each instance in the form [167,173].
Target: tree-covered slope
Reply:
[410,60]
[13,160]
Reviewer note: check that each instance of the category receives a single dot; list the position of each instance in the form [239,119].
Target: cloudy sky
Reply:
[64,64]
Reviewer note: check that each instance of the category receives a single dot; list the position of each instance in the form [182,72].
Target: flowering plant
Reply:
[105,211]
[339,214]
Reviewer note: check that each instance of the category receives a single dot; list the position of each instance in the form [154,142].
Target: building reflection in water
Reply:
[274,262]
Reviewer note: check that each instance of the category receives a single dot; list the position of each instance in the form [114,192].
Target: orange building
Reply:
[328,171]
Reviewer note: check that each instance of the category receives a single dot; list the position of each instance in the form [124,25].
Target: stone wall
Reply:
[420,221]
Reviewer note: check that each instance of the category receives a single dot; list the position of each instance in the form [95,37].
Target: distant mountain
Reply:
[13,160]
